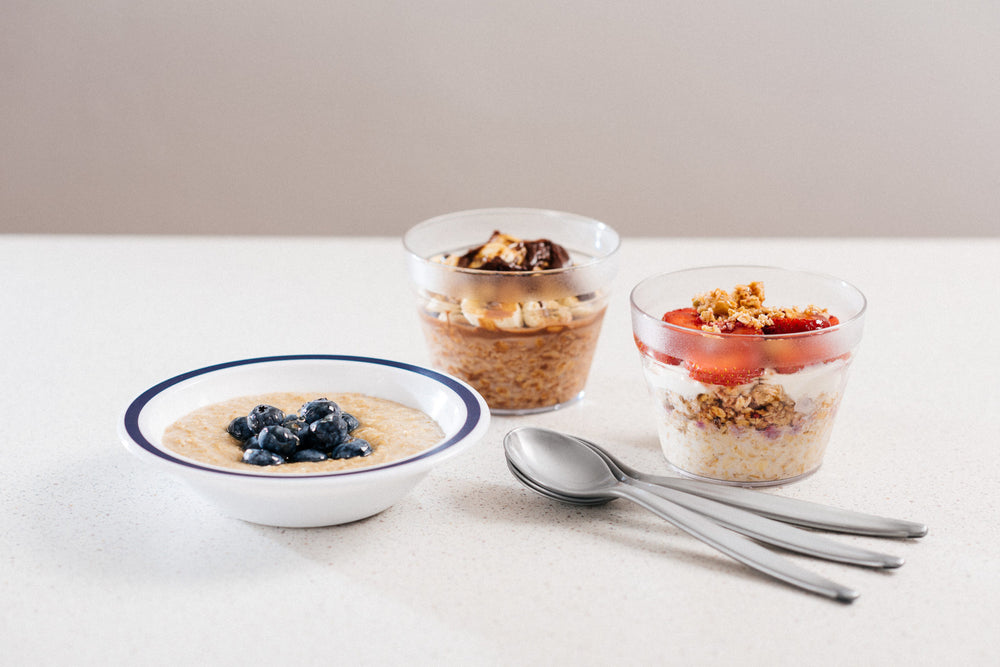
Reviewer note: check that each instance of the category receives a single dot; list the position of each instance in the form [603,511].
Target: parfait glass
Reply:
[472,318]
[748,410]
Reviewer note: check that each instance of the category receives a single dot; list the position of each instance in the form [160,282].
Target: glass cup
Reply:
[746,410]
[472,318]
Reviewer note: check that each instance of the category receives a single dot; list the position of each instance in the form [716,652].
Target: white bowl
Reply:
[316,499]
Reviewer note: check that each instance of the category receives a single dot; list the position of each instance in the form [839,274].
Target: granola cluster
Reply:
[758,407]
[721,310]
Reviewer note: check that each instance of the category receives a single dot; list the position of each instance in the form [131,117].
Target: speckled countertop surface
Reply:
[105,561]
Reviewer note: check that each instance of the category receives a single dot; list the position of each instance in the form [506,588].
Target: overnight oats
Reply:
[512,300]
[296,433]
[745,389]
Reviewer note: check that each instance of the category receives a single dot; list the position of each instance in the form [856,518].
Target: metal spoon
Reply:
[567,467]
[746,523]
[789,510]
[541,490]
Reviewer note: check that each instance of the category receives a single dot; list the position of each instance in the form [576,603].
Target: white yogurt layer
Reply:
[672,378]
[774,428]
[812,381]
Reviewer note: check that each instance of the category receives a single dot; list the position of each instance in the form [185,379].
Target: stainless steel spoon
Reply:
[567,467]
[789,510]
[746,523]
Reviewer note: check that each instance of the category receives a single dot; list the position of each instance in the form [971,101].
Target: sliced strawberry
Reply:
[739,329]
[716,360]
[791,325]
[794,354]
[659,356]
[727,360]
[726,376]
[788,369]
[684,317]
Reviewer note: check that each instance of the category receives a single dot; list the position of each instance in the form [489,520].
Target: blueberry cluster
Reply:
[320,431]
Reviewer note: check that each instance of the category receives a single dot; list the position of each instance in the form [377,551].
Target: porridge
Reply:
[392,431]
[524,369]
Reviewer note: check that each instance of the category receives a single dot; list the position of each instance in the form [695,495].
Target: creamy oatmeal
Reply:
[394,431]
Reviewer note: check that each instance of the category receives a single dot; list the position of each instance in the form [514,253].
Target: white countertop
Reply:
[105,561]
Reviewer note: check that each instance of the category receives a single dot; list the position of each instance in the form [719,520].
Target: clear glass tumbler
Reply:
[748,410]
[520,365]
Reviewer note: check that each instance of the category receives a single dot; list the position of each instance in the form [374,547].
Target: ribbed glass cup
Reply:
[543,363]
[748,410]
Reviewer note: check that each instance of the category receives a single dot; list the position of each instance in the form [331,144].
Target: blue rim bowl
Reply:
[307,499]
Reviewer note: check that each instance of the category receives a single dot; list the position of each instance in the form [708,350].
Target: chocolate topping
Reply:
[506,253]
[544,254]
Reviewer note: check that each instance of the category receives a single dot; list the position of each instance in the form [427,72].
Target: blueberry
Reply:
[351,421]
[263,416]
[327,433]
[261,457]
[296,425]
[251,443]
[307,440]
[279,440]
[351,448]
[240,429]
[307,456]
[319,409]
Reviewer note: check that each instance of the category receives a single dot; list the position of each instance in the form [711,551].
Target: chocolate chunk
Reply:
[541,254]
[544,254]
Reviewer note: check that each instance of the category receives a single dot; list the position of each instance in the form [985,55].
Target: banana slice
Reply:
[492,315]
[443,258]
[436,304]
[546,313]
[580,309]
[453,318]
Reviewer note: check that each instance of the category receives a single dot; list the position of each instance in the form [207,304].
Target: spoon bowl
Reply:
[558,464]
[542,491]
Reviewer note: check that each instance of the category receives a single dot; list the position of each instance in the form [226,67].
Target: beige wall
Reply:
[682,118]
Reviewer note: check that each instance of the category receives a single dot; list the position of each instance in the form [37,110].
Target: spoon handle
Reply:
[734,545]
[793,510]
[773,532]
[789,510]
